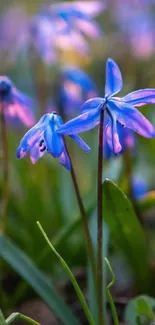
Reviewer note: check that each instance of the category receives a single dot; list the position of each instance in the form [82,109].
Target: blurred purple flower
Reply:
[136,21]
[60,25]
[14,36]
[117,110]
[74,88]
[14,103]
[43,138]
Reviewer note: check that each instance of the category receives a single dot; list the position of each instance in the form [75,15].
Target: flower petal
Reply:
[80,142]
[38,150]
[130,117]
[114,80]
[54,141]
[112,137]
[23,112]
[82,123]
[140,97]
[64,160]
[91,104]
[32,136]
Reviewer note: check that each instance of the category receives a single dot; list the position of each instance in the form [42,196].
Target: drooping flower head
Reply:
[60,25]
[71,21]
[15,104]
[74,87]
[118,110]
[43,138]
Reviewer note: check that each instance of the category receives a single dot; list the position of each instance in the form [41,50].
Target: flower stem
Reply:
[85,221]
[101,316]
[5,186]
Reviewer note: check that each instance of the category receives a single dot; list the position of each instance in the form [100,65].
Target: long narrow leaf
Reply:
[126,231]
[71,276]
[2,319]
[26,319]
[35,278]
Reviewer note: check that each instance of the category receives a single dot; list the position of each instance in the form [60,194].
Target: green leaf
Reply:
[142,305]
[126,231]
[35,278]
[143,308]
[2,319]
[26,319]
[71,277]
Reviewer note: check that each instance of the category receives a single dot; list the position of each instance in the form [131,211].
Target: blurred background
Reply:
[60,74]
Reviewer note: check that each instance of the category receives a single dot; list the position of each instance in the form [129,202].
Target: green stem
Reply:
[5,168]
[101,314]
[71,276]
[89,244]
[112,305]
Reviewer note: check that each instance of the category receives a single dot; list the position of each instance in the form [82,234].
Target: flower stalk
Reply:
[89,244]
[101,316]
[5,168]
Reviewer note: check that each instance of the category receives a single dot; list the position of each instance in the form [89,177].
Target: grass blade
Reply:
[71,276]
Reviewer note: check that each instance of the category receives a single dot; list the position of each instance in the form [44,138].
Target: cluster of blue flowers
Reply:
[64,25]
[120,114]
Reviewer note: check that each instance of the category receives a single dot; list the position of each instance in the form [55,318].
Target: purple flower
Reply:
[66,23]
[43,138]
[117,109]
[60,25]
[14,103]
[137,24]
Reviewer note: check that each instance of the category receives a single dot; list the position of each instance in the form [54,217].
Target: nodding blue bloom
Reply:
[117,110]
[71,20]
[43,138]
[74,88]
[60,25]
[14,103]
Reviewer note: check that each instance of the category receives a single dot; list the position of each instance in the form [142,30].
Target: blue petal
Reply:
[32,136]
[38,150]
[112,136]
[80,142]
[130,117]
[54,141]
[64,160]
[114,80]
[92,103]
[140,97]
[82,123]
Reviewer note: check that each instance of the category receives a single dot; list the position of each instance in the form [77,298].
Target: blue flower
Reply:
[14,103]
[74,88]
[118,110]
[63,25]
[43,138]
